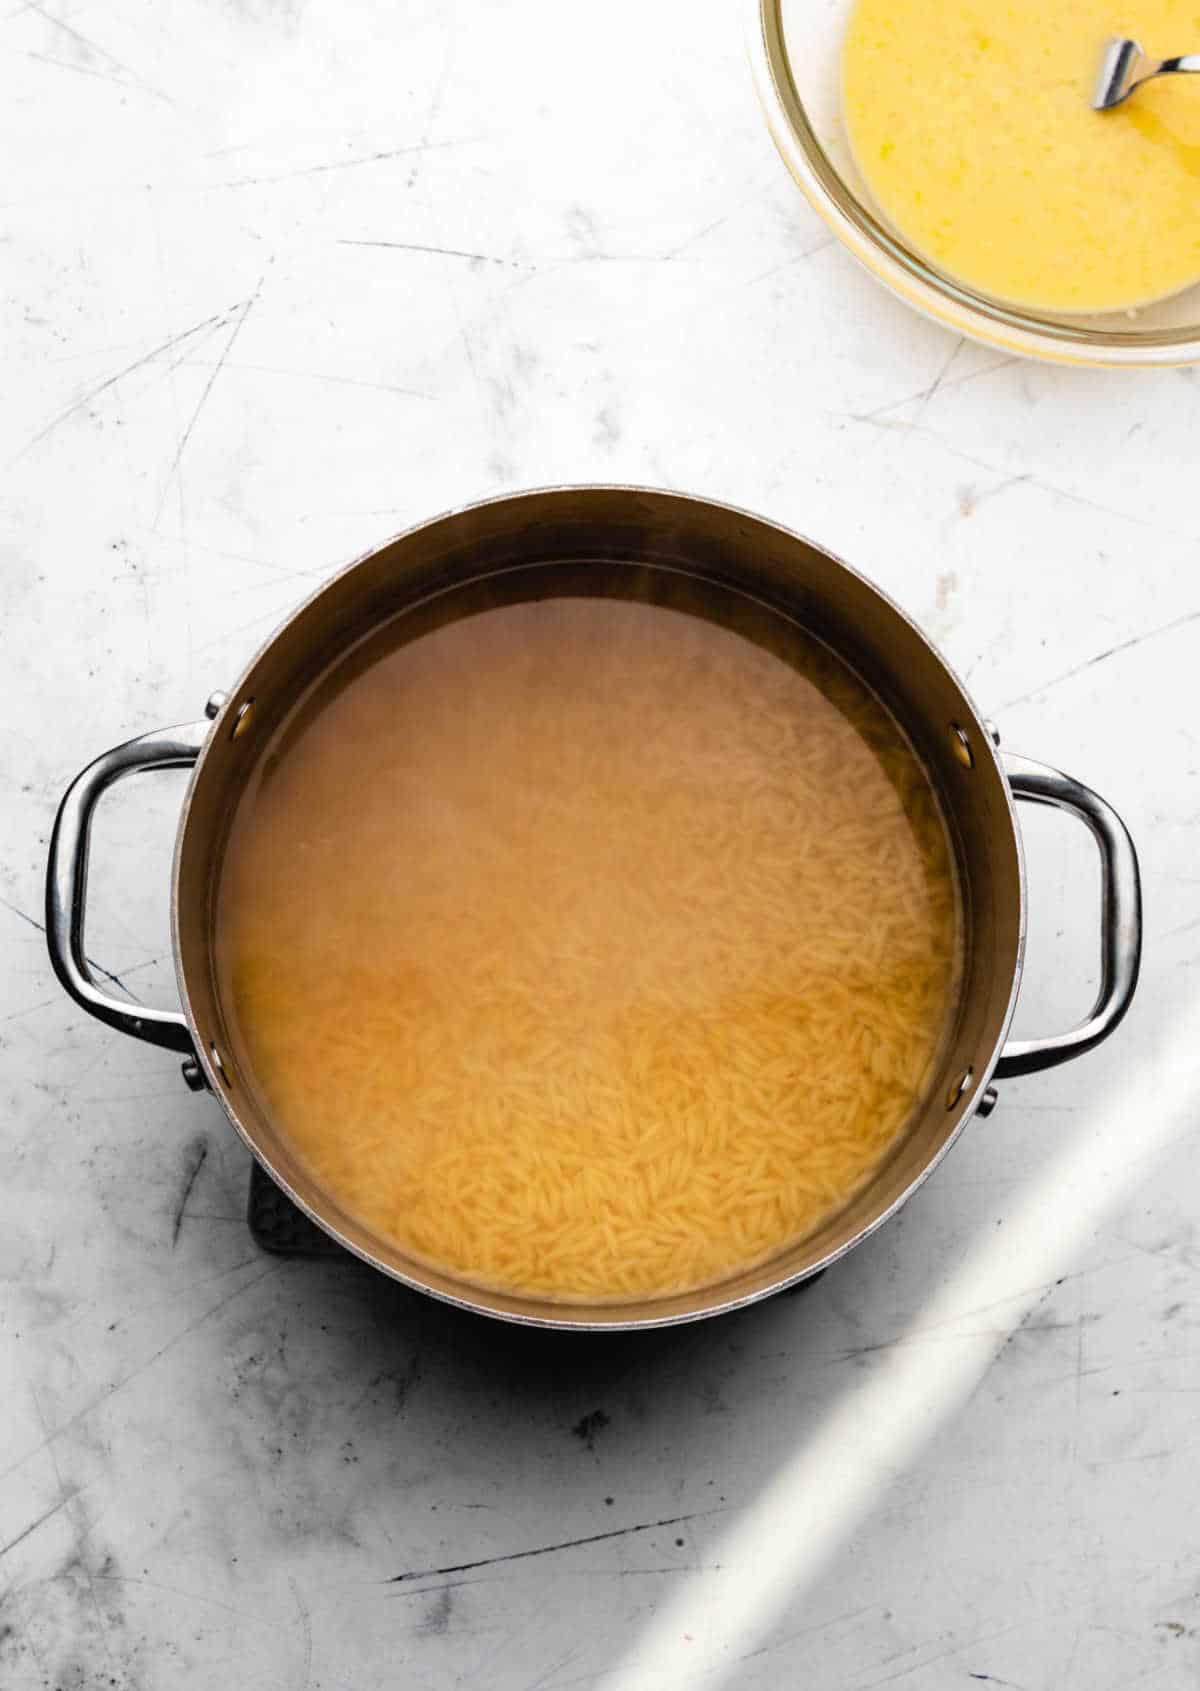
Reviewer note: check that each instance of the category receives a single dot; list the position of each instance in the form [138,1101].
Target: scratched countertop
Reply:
[281,277]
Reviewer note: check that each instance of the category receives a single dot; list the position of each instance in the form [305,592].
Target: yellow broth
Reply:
[588,948]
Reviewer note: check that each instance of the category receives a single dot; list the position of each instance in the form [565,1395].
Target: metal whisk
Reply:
[1126,66]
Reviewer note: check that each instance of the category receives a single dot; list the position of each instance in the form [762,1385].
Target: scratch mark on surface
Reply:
[431,116]
[612,258]
[821,245]
[17,912]
[572,1655]
[691,240]
[177,460]
[186,1332]
[317,376]
[1103,657]
[188,355]
[445,252]
[290,573]
[306,1633]
[134,968]
[241,628]
[41,1520]
[1028,479]
[550,1549]
[102,1397]
[207,1279]
[80,70]
[931,391]
[1081,499]
[42,1004]
[1127,1461]
[91,962]
[953,1649]
[668,1568]
[196,1597]
[81,1528]
[807,1631]
[464,337]
[198,1160]
[921,393]
[450,1585]
[718,222]
[111,381]
[343,164]
[94,49]
[969,500]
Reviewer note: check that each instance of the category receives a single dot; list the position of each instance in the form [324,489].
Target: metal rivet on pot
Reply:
[219,1065]
[962,746]
[242,720]
[960,1088]
[193,1075]
[987,1103]
[216,702]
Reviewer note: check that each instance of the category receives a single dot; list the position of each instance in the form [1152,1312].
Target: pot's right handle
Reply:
[1120,915]
[66,881]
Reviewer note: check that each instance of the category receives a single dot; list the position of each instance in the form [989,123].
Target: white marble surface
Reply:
[279,277]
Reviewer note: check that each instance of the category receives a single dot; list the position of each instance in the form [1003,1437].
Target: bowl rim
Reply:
[936,295]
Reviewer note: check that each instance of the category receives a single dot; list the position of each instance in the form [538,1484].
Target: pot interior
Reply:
[684,554]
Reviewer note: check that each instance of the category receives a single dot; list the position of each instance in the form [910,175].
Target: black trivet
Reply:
[278,1226]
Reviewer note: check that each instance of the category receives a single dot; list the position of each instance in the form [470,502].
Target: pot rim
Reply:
[479,1304]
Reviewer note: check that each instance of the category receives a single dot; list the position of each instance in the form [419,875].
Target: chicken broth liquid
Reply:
[589,947]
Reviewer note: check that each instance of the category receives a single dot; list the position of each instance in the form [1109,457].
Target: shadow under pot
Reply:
[597,907]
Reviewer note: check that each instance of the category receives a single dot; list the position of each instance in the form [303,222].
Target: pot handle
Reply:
[1120,915]
[66,881]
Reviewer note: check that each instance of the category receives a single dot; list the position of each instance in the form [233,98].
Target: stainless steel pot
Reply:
[611,524]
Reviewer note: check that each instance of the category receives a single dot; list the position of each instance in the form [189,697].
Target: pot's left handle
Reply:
[66,881]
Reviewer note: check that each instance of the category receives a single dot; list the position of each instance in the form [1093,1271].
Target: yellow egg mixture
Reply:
[972,126]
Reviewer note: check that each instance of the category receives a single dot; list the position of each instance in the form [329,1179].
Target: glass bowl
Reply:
[795,51]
